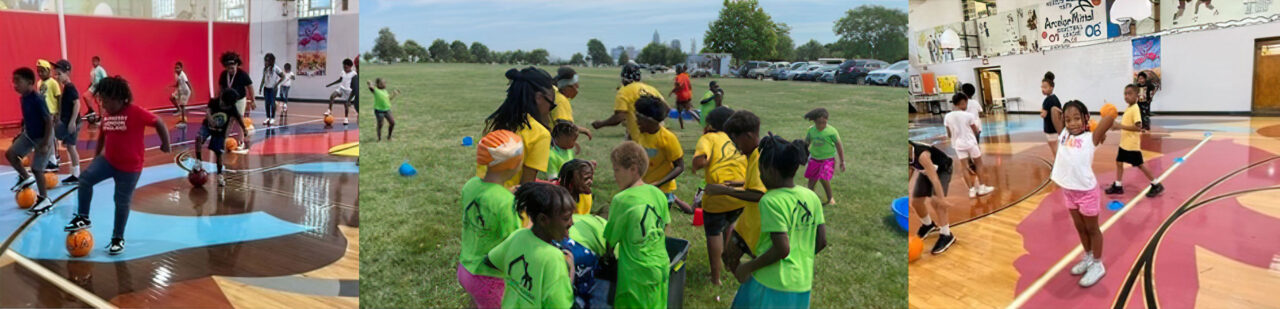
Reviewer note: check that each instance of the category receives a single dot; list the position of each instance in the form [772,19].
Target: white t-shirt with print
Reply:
[271,76]
[959,122]
[1073,166]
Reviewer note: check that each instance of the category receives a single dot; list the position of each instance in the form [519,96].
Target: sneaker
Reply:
[116,247]
[1156,189]
[328,112]
[344,121]
[1114,189]
[22,183]
[944,242]
[70,180]
[51,166]
[925,229]
[1081,267]
[222,180]
[284,107]
[242,150]
[973,192]
[42,205]
[266,122]
[77,223]
[984,189]
[1094,274]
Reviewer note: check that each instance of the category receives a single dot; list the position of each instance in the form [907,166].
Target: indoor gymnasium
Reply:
[219,215]
[1192,221]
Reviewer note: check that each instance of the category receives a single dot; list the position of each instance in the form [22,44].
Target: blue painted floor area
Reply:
[146,235]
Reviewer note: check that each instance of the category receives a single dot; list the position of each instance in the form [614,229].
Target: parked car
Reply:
[658,68]
[895,75]
[787,72]
[813,74]
[828,75]
[777,68]
[742,71]
[854,71]
[700,72]
[799,74]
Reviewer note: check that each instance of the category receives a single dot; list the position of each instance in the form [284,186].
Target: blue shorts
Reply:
[217,141]
[755,295]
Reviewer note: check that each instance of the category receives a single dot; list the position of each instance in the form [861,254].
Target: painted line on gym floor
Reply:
[62,283]
[1023,297]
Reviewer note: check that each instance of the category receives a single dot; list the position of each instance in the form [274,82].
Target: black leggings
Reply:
[391,122]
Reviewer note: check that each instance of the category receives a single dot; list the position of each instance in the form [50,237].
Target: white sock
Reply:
[75,170]
[926,220]
[946,230]
[1117,183]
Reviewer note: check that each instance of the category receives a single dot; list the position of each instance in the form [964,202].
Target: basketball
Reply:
[79,243]
[50,180]
[1093,125]
[247,121]
[26,198]
[328,120]
[232,144]
[914,246]
[1108,110]
[198,177]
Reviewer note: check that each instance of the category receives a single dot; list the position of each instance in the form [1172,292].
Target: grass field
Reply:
[411,228]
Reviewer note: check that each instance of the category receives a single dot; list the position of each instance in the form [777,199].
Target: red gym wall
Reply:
[140,50]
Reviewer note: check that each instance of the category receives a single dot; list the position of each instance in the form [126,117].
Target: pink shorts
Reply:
[485,291]
[820,169]
[1087,201]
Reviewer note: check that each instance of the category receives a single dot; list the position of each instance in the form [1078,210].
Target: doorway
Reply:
[1266,75]
[990,88]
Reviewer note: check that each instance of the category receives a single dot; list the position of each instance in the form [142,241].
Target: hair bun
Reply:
[513,74]
[1048,75]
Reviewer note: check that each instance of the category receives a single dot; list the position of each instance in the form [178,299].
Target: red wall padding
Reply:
[235,37]
[141,51]
[24,38]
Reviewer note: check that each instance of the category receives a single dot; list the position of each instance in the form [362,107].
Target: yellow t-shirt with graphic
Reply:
[724,163]
[749,223]
[563,110]
[1131,140]
[662,147]
[626,101]
[52,90]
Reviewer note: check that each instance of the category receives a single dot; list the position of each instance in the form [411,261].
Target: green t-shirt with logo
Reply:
[796,211]
[556,159]
[535,272]
[488,216]
[588,230]
[822,144]
[381,101]
[638,218]
[705,108]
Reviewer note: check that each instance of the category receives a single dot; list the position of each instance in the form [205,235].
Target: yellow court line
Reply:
[62,283]
[1040,282]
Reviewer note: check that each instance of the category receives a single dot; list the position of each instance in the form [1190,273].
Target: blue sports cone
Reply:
[1115,205]
[466,141]
[407,170]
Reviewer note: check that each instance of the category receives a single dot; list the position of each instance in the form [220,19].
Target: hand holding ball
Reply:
[1109,110]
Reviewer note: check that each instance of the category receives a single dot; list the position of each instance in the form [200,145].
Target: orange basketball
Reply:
[50,180]
[247,120]
[232,144]
[1109,110]
[1093,125]
[79,243]
[328,119]
[26,198]
[914,247]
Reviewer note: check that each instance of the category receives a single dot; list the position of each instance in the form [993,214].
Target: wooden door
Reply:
[1266,76]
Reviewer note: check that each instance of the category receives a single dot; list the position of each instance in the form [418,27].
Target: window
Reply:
[163,9]
[313,8]
[233,10]
[976,9]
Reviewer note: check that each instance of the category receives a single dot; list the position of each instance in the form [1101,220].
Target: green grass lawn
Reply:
[411,224]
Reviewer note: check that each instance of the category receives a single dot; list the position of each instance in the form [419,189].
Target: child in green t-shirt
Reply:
[713,98]
[792,232]
[537,273]
[825,152]
[382,106]
[564,138]
[638,218]
[488,216]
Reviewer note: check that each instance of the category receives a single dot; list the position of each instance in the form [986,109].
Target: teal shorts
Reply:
[755,295]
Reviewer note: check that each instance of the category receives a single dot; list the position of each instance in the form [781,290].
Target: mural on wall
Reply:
[1008,33]
[1146,55]
[1063,22]
[313,34]
[1186,13]
[939,44]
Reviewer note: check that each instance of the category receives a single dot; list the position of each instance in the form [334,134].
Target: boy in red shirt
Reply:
[684,94]
[124,128]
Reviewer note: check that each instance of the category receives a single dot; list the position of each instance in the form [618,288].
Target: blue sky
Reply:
[563,27]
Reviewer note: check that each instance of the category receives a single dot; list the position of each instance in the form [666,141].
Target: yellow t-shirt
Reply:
[1131,140]
[537,148]
[662,147]
[52,90]
[584,204]
[749,223]
[626,102]
[563,108]
[724,163]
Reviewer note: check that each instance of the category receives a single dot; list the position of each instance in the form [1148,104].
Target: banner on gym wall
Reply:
[1008,33]
[1146,55]
[1063,22]
[313,41]
[942,43]
[1186,13]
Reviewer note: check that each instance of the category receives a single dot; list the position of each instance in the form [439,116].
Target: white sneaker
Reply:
[266,122]
[984,190]
[1093,275]
[344,121]
[973,192]
[1081,267]
[327,112]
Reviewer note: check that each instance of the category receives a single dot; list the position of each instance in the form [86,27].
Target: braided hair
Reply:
[521,101]
[542,198]
[1080,108]
[781,155]
[569,172]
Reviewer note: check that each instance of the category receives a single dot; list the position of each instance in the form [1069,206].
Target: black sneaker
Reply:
[77,223]
[22,183]
[42,205]
[70,180]
[1156,189]
[1114,189]
[944,241]
[51,166]
[925,229]
[116,246]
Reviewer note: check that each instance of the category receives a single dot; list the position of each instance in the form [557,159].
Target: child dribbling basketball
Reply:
[488,216]
[1073,172]
[119,155]
[221,113]
[825,152]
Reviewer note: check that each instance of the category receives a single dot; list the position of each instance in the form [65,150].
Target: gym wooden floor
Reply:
[283,233]
[1218,215]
